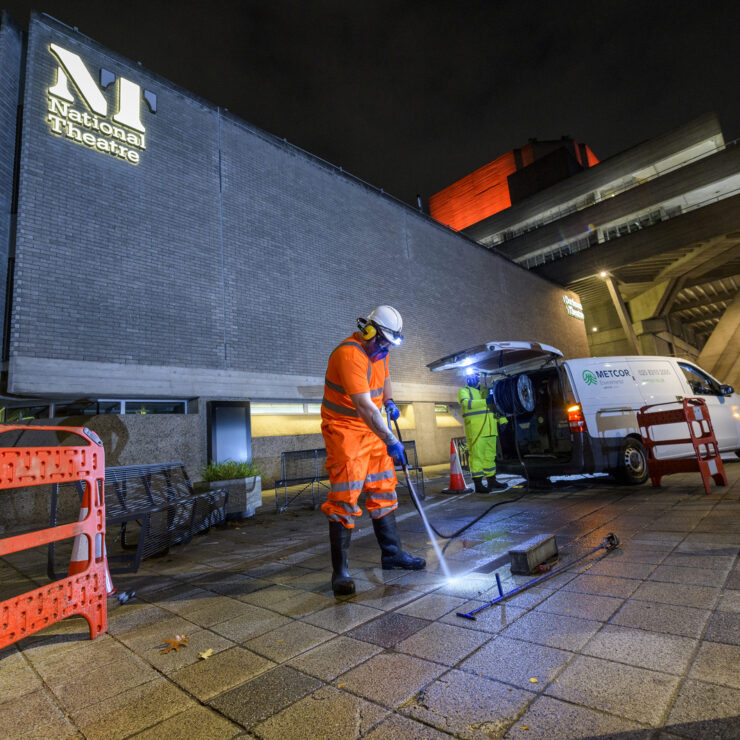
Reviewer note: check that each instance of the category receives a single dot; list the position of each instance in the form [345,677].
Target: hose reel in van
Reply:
[514,395]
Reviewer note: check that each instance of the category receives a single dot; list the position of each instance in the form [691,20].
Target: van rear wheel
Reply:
[633,468]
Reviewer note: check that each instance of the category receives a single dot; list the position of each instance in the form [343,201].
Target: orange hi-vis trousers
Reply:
[357,462]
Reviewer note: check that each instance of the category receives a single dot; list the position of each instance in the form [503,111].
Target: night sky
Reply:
[412,95]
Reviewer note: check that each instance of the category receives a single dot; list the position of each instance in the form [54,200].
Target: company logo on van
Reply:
[592,377]
[589,378]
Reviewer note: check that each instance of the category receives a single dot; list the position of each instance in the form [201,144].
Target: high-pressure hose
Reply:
[417,504]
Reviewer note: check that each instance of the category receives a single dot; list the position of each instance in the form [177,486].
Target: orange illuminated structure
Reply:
[508,179]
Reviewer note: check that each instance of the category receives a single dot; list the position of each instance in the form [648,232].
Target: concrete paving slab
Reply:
[269,596]
[36,715]
[468,706]
[627,691]
[288,641]
[442,643]
[653,650]
[730,602]
[717,663]
[218,609]
[16,681]
[340,617]
[689,575]
[390,679]
[586,583]
[704,710]
[553,719]
[388,630]
[585,606]
[397,726]
[131,711]
[724,627]
[669,618]
[198,722]
[133,614]
[701,597]
[84,687]
[265,695]
[383,597]
[334,657]
[328,712]
[254,622]
[566,633]
[621,568]
[431,606]
[221,672]
[302,603]
[517,662]
[720,563]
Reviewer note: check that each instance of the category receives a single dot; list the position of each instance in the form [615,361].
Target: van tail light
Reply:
[576,422]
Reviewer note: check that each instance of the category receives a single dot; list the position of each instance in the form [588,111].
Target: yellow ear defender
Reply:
[367,330]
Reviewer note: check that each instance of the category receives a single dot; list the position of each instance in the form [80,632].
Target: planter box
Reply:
[245,495]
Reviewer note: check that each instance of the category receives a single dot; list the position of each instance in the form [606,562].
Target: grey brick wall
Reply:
[227,250]
[11,51]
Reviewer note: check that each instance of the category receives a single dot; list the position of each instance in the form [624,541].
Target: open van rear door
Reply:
[500,358]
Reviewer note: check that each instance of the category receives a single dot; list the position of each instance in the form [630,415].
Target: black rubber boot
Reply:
[339,538]
[495,485]
[390,544]
[480,487]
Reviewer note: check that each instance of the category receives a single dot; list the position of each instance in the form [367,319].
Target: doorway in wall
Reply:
[229,431]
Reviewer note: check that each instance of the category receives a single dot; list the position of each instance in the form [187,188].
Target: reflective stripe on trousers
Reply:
[357,462]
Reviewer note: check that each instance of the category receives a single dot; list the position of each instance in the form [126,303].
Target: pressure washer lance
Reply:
[609,543]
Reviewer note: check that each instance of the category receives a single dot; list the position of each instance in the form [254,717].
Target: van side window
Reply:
[699,383]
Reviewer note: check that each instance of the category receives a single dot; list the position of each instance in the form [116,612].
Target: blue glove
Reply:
[397,452]
[392,409]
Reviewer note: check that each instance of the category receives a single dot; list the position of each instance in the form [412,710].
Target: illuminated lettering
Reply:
[73,81]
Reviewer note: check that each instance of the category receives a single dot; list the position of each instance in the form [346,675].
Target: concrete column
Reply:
[624,318]
[721,354]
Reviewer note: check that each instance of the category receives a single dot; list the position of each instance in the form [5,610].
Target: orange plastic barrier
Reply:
[82,593]
[706,460]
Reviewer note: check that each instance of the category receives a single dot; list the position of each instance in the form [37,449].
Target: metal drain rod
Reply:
[609,543]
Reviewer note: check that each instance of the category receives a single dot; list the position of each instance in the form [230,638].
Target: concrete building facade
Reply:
[649,239]
[160,250]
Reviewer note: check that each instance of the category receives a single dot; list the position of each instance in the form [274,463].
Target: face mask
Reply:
[377,351]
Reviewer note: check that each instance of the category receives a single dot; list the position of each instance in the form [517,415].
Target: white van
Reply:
[578,416]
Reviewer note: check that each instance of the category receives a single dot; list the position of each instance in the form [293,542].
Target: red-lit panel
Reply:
[476,196]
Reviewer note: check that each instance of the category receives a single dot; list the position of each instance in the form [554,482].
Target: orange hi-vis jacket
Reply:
[356,459]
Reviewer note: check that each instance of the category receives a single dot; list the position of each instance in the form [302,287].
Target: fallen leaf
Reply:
[279,640]
[339,685]
[533,680]
[524,727]
[175,643]
[206,654]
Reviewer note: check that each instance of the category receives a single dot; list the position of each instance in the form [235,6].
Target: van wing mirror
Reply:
[726,390]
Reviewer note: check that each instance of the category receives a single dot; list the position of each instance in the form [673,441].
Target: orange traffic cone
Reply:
[457,481]
[78,563]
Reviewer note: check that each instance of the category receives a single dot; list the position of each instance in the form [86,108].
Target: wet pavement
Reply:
[640,642]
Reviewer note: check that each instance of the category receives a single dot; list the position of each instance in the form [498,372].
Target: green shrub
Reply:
[229,470]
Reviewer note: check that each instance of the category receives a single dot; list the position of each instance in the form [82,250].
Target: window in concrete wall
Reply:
[444,416]
[86,408]
[292,418]
[24,413]
[154,407]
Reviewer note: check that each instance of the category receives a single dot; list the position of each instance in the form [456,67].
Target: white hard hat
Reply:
[388,321]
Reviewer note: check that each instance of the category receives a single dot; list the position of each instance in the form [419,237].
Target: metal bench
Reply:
[154,506]
[306,468]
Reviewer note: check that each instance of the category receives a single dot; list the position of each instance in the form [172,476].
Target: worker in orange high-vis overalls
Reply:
[360,448]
